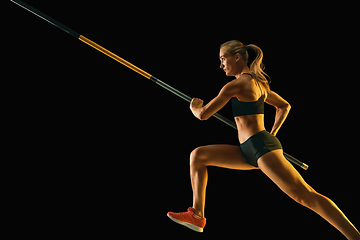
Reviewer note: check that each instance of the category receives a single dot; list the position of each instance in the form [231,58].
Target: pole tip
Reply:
[305,166]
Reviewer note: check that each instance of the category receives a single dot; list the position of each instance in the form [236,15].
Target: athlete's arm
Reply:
[282,110]
[226,93]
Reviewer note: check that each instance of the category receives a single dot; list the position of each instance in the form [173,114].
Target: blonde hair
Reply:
[256,67]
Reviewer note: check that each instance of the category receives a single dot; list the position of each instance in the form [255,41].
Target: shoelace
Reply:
[183,214]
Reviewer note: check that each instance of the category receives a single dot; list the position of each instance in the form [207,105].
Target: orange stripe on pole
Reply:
[114,56]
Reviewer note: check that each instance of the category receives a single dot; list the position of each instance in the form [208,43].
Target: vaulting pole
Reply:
[134,68]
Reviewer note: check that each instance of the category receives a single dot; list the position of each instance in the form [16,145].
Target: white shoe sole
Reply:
[186,224]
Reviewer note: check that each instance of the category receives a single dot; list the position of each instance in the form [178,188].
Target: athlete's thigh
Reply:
[226,156]
[282,173]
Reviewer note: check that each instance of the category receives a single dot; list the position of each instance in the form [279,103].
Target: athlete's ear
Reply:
[237,56]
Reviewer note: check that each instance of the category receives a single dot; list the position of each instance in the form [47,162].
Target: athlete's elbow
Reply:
[286,107]
[203,116]
[282,109]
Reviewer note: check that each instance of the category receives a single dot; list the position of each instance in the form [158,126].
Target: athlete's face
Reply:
[228,62]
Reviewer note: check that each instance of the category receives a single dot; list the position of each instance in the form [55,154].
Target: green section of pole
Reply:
[46,18]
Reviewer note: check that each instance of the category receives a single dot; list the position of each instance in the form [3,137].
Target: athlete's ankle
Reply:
[198,214]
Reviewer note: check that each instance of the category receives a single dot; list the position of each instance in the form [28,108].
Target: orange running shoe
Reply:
[188,219]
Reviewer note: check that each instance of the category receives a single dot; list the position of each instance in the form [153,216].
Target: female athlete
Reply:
[258,148]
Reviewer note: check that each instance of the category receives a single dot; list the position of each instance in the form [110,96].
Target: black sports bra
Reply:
[240,108]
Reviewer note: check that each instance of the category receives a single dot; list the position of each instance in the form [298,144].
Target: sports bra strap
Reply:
[247,74]
[248,108]
[259,86]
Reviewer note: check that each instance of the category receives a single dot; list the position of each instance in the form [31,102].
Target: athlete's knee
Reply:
[198,155]
[304,196]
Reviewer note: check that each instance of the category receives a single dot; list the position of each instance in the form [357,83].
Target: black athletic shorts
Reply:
[257,145]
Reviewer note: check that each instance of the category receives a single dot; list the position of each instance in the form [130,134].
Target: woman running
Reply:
[258,149]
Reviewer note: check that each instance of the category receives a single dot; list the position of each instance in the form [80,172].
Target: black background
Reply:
[107,150]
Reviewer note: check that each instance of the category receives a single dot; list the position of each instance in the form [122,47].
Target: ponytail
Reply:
[256,67]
